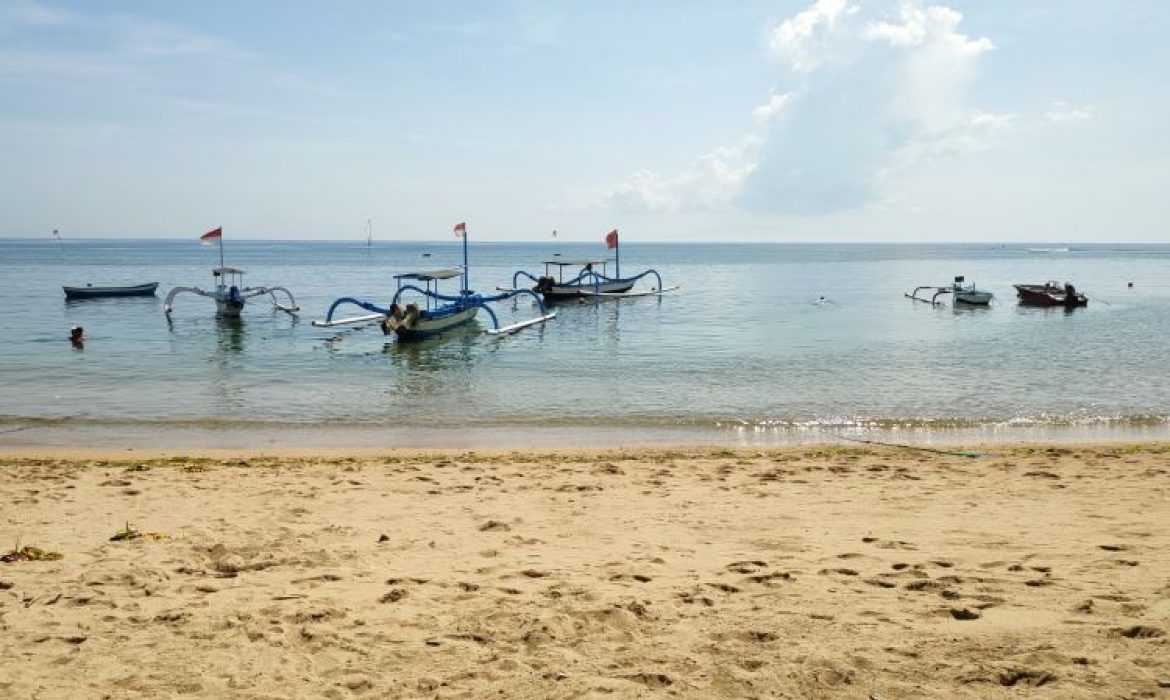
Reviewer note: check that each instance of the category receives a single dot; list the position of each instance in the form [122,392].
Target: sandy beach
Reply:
[805,572]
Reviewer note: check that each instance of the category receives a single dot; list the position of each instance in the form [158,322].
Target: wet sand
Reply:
[802,572]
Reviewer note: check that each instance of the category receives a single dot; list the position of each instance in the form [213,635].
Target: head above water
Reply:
[75,332]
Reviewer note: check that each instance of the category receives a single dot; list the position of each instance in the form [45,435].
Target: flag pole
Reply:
[617,255]
[221,248]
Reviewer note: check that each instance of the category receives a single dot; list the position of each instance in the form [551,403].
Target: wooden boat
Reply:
[961,294]
[591,280]
[91,292]
[1050,293]
[432,313]
[230,294]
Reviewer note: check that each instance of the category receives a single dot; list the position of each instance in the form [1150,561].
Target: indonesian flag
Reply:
[461,229]
[611,239]
[211,236]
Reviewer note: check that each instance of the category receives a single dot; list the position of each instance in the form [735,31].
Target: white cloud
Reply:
[772,108]
[920,25]
[802,40]
[711,181]
[1064,113]
[875,94]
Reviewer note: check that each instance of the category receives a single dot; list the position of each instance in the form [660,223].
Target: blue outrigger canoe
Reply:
[439,312]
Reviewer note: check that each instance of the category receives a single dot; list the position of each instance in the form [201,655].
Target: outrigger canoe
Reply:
[91,292]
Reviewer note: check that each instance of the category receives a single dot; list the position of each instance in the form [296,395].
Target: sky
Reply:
[809,120]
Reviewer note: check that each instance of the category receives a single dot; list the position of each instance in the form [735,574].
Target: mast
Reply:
[57,237]
[221,249]
[369,233]
[466,282]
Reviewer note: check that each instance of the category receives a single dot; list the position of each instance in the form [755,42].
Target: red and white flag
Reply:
[611,240]
[211,236]
[461,229]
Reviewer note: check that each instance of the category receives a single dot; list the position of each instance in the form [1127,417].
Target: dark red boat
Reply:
[1050,294]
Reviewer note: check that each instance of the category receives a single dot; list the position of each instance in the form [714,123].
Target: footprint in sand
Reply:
[1141,632]
[746,567]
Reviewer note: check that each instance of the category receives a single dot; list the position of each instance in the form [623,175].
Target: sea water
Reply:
[761,342]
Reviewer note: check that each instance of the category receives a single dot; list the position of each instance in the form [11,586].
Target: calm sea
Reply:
[745,350]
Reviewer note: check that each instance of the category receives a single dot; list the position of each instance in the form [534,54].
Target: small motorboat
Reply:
[961,294]
[1050,293]
[91,292]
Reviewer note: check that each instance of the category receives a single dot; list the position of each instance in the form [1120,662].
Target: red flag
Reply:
[461,229]
[611,239]
[211,236]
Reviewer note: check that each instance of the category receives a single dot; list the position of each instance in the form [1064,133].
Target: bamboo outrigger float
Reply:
[963,295]
[440,312]
[588,282]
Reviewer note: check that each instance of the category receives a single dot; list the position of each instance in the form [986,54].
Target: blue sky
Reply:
[818,120]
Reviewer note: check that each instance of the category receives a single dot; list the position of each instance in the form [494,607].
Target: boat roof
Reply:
[431,275]
[227,271]
[574,263]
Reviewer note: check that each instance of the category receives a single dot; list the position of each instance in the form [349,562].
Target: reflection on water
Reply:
[434,376]
[229,334]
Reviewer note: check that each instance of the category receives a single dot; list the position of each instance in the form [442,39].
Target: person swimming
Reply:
[77,336]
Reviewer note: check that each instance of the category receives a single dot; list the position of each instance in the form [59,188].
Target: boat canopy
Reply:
[573,263]
[430,276]
[226,271]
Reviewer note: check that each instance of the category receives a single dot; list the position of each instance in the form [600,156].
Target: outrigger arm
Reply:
[169,304]
[291,307]
[938,291]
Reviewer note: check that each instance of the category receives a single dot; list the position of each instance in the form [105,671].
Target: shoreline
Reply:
[23,436]
[819,571]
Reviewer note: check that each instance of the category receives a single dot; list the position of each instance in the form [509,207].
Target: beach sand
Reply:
[812,572]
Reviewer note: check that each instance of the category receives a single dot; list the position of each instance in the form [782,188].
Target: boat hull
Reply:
[229,308]
[974,297]
[569,292]
[1047,295]
[138,290]
[429,325]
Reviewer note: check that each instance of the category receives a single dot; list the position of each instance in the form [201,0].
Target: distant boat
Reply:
[961,294]
[1050,294]
[587,282]
[91,292]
